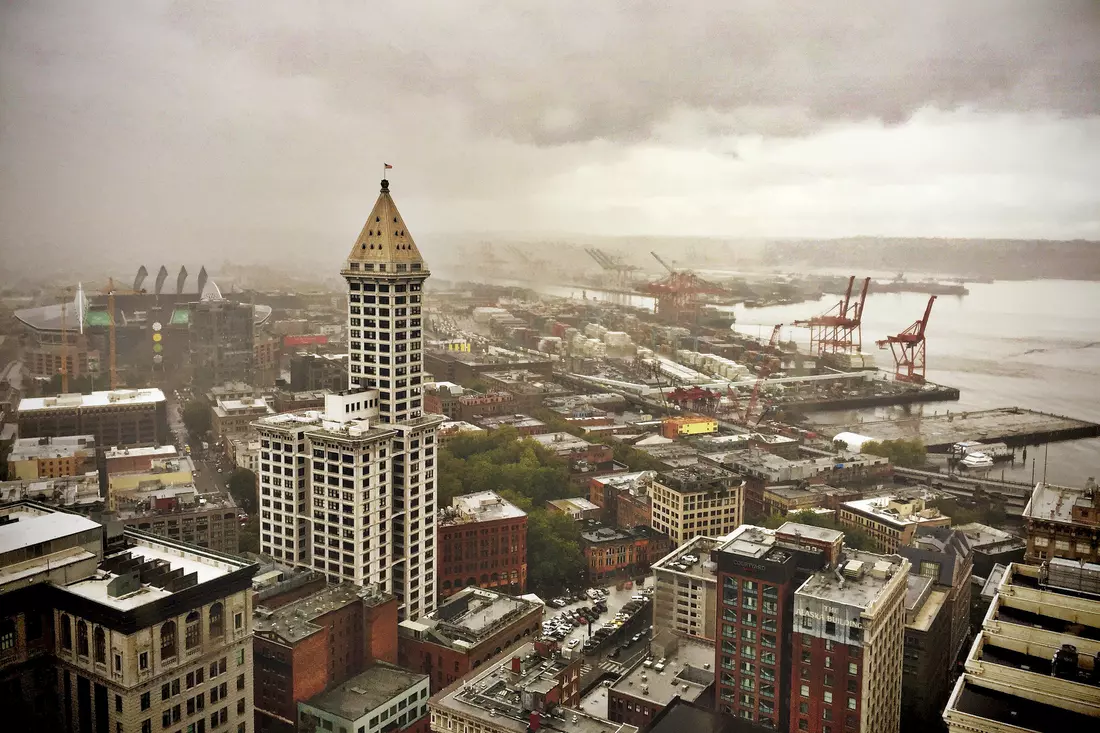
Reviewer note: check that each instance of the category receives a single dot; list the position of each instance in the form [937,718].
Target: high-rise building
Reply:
[847,641]
[109,630]
[221,334]
[368,459]
[696,500]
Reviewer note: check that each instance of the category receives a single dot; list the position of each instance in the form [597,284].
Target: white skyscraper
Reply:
[369,458]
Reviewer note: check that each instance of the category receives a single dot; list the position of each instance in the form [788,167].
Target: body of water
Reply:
[1033,344]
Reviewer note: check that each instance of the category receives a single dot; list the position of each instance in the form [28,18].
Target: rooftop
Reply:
[686,673]
[866,575]
[517,421]
[470,616]
[225,408]
[304,418]
[483,506]
[757,543]
[95,399]
[26,526]
[496,694]
[25,449]
[574,505]
[809,531]
[561,442]
[684,716]
[152,451]
[982,536]
[895,510]
[698,478]
[698,564]
[1056,503]
[922,604]
[371,689]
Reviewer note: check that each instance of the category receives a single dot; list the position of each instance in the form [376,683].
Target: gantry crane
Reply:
[624,273]
[839,330]
[908,348]
[670,268]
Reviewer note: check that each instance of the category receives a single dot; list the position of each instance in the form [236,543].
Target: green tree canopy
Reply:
[905,453]
[243,488]
[554,556]
[522,470]
[197,418]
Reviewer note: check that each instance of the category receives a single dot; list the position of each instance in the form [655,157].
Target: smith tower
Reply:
[386,275]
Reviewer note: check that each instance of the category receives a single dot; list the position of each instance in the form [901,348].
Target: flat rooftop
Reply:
[684,675]
[700,565]
[118,397]
[374,687]
[892,510]
[1055,503]
[469,616]
[152,451]
[698,478]
[574,504]
[981,536]
[859,592]
[482,506]
[561,442]
[304,418]
[809,531]
[25,449]
[26,527]
[517,421]
[1021,713]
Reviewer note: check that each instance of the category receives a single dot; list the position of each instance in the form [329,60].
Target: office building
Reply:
[620,554]
[1063,521]
[533,687]
[1034,666]
[891,521]
[680,668]
[106,629]
[685,598]
[696,501]
[310,644]
[221,336]
[232,419]
[926,663]
[179,513]
[847,642]
[382,698]
[482,541]
[944,555]
[758,571]
[57,457]
[464,632]
[313,372]
[121,417]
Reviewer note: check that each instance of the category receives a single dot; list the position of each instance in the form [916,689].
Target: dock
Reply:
[1014,426]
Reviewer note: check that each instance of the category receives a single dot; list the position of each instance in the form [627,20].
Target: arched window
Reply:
[168,640]
[217,621]
[100,646]
[66,632]
[192,635]
[82,638]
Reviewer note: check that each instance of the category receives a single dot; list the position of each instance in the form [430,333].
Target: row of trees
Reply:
[528,475]
[904,453]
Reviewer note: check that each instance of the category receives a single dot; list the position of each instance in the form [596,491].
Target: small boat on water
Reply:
[975,461]
[995,451]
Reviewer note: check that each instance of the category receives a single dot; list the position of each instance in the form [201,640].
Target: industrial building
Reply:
[107,629]
[481,541]
[1035,664]
[700,500]
[121,417]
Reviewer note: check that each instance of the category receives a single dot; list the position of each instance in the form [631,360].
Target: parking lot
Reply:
[616,599]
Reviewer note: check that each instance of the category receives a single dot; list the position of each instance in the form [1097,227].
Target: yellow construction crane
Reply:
[110,292]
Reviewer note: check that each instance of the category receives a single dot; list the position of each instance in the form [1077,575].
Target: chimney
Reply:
[517,667]
[534,722]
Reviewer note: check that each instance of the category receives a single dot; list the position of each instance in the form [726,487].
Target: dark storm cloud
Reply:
[561,72]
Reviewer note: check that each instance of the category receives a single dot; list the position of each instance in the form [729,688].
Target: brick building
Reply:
[464,632]
[623,498]
[57,457]
[523,424]
[614,554]
[466,368]
[892,521]
[133,460]
[1063,521]
[176,514]
[681,672]
[308,645]
[459,403]
[481,540]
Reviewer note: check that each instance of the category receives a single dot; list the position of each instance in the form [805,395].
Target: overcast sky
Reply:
[232,127]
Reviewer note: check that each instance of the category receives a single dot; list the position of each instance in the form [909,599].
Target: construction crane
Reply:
[110,291]
[908,348]
[839,330]
[773,342]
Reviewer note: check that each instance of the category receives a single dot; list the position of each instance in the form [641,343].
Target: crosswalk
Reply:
[607,665]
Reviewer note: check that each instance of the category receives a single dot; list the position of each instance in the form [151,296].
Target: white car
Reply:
[574,642]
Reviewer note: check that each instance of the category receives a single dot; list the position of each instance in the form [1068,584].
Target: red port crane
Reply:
[908,348]
[838,330]
[676,293]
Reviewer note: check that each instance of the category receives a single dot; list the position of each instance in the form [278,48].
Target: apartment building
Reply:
[122,417]
[107,629]
[891,521]
[685,598]
[481,541]
[699,500]
[56,457]
[308,645]
[847,645]
[1033,667]
[1063,521]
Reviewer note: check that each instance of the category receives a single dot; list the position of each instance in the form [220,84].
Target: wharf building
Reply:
[382,698]
[696,501]
[122,417]
[891,521]
[849,624]
[305,646]
[680,668]
[758,571]
[531,688]
[481,541]
[464,632]
[1064,522]
[53,457]
[351,491]
[1035,664]
[108,630]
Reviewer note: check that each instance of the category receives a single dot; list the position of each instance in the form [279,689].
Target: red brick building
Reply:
[465,405]
[614,554]
[481,540]
[623,498]
[464,632]
[305,646]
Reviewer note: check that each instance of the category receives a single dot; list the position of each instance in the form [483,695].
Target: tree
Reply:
[554,556]
[243,487]
[905,453]
[248,539]
[197,418]
[499,461]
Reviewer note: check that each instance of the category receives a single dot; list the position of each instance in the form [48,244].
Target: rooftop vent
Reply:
[854,569]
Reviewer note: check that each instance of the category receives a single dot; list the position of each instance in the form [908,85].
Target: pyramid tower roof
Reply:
[385,241]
